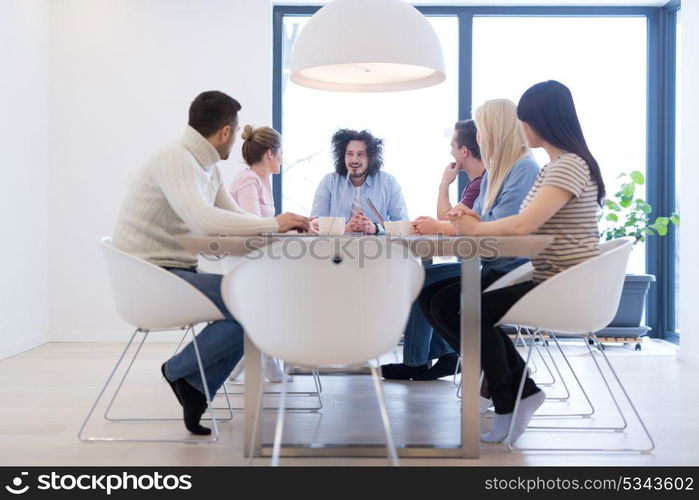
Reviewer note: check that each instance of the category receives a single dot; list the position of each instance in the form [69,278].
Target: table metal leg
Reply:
[253,379]
[470,354]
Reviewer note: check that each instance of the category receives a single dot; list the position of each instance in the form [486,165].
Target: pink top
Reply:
[252,193]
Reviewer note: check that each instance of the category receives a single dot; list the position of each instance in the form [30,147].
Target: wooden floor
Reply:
[47,391]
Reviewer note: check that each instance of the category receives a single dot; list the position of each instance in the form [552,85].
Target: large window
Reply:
[606,74]
[612,58]
[416,127]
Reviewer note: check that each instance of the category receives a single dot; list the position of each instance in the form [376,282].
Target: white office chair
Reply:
[304,319]
[578,302]
[153,299]
[518,275]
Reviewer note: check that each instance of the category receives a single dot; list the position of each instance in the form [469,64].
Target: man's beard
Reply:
[356,175]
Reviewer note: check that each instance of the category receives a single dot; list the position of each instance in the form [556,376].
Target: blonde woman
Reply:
[563,203]
[252,191]
[510,173]
[252,187]
[509,168]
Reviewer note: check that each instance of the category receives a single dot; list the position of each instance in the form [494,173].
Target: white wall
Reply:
[24,53]
[123,74]
[689,237]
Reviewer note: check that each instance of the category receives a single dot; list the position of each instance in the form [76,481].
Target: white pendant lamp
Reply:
[367,46]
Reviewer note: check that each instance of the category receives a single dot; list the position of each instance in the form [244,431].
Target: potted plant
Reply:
[626,214]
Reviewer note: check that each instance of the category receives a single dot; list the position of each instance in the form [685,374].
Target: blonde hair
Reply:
[501,143]
[257,141]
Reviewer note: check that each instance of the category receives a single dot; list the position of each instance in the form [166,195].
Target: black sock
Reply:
[193,405]
[171,384]
[400,371]
[445,365]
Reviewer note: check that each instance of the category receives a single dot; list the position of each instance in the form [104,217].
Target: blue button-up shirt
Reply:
[518,181]
[335,196]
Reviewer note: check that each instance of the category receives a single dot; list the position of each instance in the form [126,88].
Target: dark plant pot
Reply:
[627,322]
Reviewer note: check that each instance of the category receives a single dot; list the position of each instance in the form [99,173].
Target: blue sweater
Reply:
[518,181]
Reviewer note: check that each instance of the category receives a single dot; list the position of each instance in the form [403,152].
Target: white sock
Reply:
[501,426]
[273,371]
[527,407]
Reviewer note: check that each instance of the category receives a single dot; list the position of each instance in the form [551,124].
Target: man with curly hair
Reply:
[358,178]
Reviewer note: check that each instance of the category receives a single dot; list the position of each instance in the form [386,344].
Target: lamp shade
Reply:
[367,46]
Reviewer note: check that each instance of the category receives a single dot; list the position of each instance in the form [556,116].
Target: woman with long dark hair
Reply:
[562,203]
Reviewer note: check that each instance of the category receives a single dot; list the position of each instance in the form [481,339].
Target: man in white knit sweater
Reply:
[180,189]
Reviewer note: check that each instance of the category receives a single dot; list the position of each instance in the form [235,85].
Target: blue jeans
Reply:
[419,343]
[220,343]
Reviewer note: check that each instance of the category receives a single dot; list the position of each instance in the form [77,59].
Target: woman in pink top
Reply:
[252,188]
[252,191]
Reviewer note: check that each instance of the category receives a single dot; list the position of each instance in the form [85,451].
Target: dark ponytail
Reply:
[548,109]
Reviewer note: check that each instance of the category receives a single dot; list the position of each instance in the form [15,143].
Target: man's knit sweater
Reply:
[179,190]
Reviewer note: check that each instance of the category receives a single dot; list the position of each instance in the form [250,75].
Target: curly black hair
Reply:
[374,149]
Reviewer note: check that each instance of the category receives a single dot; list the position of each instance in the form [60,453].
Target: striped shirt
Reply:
[574,226]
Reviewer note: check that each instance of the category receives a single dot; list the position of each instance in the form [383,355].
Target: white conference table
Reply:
[470,251]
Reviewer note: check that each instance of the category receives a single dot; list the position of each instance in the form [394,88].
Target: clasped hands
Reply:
[461,221]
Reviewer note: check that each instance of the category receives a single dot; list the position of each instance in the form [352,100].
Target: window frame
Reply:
[660,120]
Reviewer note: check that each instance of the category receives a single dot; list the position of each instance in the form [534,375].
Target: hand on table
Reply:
[429,225]
[459,210]
[288,221]
[464,219]
[360,223]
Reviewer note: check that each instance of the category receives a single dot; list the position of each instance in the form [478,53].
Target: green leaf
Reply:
[612,205]
[675,218]
[626,201]
[662,230]
[645,208]
[662,221]
[647,230]
[628,189]
[637,177]
[613,217]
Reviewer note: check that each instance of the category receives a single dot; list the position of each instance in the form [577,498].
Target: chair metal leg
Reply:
[184,336]
[577,380]
[104,387]
[159,419]
[319,384]
[205,384]
[456,371]
[594,429]
[128,369]
[555,367]
[317,393]
[276,452]
[532,339]
[533,368]
[259,409]
[518,398]
[390,445]
[213,438]
[628,398]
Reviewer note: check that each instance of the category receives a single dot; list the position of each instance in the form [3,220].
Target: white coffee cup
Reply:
[398,228]
[329,225]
